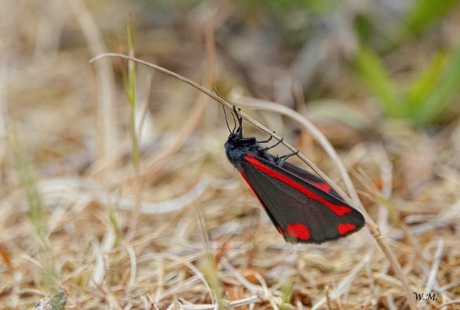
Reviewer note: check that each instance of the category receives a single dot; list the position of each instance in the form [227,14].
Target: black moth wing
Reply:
[301,212]
[310,178]
[303,207]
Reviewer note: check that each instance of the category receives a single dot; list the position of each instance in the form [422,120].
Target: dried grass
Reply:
[201,240]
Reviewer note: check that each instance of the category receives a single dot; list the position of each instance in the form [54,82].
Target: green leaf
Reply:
[447,85]
[377,78]
[426,12]
[424,83]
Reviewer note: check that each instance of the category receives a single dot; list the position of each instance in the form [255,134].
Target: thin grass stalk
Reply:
[36,211]
[130,86]
[381,241]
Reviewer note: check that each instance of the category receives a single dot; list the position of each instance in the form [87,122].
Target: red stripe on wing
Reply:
[339,210]
[323,186]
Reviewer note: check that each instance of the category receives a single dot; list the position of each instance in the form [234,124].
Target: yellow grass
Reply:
[82,228]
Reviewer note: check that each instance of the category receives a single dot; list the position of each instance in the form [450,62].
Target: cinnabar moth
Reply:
[303,207]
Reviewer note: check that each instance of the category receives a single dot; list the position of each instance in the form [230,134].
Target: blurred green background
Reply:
[401,56]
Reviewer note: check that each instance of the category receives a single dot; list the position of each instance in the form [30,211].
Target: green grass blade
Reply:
[377,78]
[447,86]
[25,172]
[426,12]
[36,211]
[424,83]
[131,94]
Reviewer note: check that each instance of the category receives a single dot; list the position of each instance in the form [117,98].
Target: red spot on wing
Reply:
[345,228]
[299,231]
[339,210]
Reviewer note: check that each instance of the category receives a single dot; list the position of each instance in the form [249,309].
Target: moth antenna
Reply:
[225,114]
[234,121]
[239,118]
[226,119]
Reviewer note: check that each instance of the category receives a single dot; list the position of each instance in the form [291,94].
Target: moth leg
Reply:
[281,160]
[265,141]
[271,146]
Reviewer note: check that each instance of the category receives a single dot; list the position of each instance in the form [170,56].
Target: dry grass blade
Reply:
[431,283]
[356,202]
[198,87]
[371,225]
[134,206]
[344,285]
[106,84]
